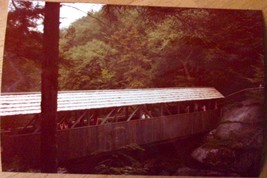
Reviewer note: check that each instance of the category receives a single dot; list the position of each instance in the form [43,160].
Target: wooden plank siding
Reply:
[80,142]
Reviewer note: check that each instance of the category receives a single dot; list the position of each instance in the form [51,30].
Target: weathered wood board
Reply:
[81,142]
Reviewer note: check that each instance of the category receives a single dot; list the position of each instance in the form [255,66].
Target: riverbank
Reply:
[157,159]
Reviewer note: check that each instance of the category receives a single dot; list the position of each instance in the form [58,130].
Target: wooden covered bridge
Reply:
[95,121]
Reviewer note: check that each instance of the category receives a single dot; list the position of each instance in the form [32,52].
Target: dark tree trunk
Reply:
[49,88]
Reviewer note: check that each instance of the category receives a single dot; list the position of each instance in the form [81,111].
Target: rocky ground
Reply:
[236,145]
[159,159]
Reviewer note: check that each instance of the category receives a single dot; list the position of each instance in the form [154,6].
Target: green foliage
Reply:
[217,143]
[122,162]
[89,66]
[132,65]
[13,166]
[18,165]
[258,76]
[141,47]
[23,48]
[20,78]
[164,33]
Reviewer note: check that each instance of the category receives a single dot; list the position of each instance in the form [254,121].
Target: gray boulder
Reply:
[236,144]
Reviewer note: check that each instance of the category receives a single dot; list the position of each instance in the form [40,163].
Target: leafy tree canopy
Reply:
[140,47]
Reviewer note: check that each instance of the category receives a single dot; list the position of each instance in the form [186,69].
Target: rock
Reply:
[236,144]
[248,162]
[62,170]
[248,113]
[164,173]
[200,154]
[186,171]
[237,121]
[220,157]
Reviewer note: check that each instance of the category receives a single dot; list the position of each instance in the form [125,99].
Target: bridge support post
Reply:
[178,108]
[161,109]
[126,112]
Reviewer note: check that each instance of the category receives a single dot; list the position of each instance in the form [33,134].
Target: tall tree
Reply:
[49,88]
[131,63]
[23,47]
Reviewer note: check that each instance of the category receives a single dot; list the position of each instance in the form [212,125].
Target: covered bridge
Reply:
[96,121]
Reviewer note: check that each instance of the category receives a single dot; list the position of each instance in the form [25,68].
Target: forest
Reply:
[138,47]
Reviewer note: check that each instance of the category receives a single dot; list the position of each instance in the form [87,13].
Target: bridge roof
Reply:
[29,103]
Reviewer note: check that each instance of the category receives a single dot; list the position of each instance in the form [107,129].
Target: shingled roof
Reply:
[29,103]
